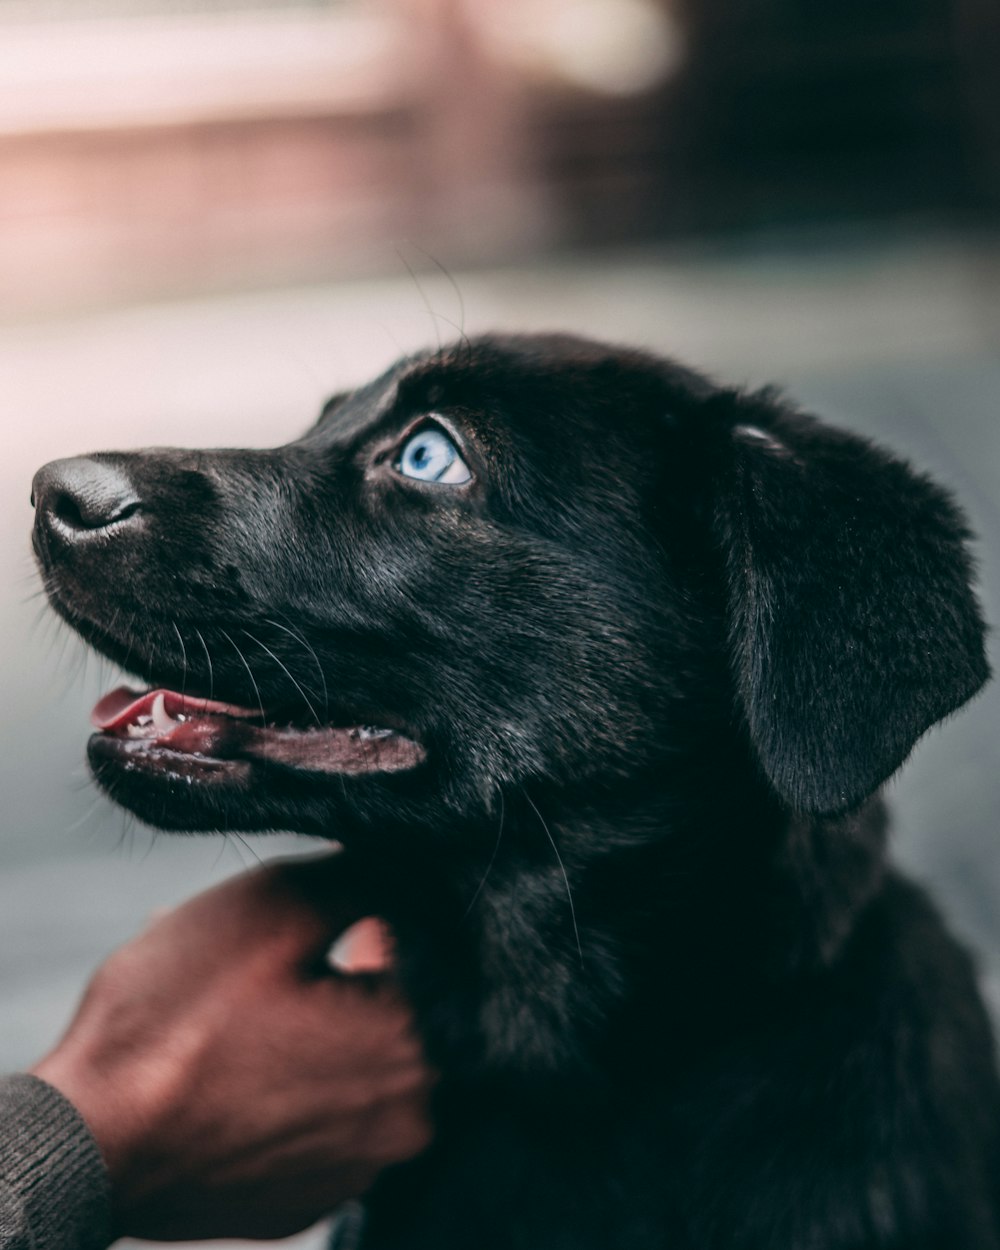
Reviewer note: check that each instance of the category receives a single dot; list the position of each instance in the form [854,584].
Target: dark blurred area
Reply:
[784,113]
[806,111]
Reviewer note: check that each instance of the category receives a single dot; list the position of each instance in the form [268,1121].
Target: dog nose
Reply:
[82,496]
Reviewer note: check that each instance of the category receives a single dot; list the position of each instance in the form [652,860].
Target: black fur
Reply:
[662,651]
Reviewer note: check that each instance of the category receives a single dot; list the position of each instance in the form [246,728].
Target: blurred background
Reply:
[214,212]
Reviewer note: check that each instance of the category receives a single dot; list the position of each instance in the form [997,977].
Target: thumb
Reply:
[367,946]
[307,902]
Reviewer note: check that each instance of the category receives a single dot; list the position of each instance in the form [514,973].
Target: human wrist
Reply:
[119,1124]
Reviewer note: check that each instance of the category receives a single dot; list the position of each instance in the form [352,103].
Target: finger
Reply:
[367,946]
[315,900]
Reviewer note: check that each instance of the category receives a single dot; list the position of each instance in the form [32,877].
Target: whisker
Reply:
[489,866]
[68,662]
[130,635]
[305,697]
[208,660]
[253,680]
[85,817]
[114,620]
[120,845]
[184,658]
[222,850]
[450,279]
[42,616]
[240,838]
[562,869]
[153,835]
[423,295]
[308,646]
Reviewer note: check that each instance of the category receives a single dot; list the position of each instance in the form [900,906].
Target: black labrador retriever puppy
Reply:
[595,669]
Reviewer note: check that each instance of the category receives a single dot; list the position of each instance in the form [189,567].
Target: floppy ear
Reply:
[853,624]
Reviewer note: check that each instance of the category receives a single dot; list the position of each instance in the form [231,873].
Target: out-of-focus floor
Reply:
[896,337]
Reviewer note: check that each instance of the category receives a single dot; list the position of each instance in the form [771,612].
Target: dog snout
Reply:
[82,497]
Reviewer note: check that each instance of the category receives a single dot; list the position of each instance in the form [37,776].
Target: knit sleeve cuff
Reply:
[51,1169]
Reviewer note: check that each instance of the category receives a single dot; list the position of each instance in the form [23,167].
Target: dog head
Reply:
[511,564]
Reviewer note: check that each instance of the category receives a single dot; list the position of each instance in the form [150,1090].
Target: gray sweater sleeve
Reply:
[54,1192]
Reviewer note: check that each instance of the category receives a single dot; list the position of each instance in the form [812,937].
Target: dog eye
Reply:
[431,456]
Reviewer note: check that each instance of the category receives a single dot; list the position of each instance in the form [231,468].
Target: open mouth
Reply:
[165,727]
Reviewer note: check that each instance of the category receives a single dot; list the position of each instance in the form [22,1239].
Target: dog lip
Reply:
[162,723]
[144,757]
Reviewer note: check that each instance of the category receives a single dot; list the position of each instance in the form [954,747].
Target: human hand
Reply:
[235,1086]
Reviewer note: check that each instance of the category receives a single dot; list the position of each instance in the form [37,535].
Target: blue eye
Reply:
[431,456]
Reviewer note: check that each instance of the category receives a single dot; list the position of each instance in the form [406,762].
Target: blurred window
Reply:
[70,66]
[75,10]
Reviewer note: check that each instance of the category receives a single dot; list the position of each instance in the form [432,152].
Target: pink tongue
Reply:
[124,706]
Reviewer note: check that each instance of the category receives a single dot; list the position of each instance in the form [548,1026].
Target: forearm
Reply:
[53,1185]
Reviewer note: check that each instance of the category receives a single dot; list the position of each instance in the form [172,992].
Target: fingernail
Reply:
[365,947]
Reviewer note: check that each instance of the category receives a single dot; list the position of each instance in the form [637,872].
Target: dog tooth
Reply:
[162,719]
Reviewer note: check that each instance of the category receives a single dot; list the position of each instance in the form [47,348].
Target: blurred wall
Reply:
[160,150]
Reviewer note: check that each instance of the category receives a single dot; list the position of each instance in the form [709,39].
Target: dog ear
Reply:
[853,624]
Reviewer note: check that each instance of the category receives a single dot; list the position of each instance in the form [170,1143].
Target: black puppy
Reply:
[594,669]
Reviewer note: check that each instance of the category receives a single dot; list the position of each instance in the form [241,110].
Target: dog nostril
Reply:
[67,510]
[80,514]
[82,495]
